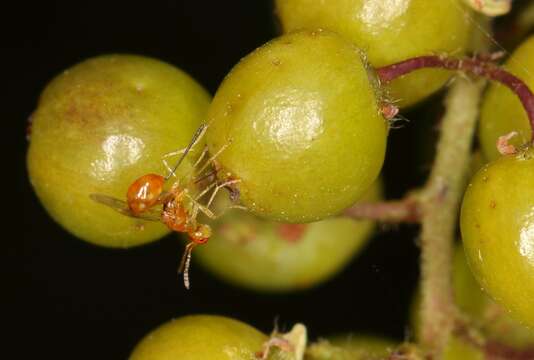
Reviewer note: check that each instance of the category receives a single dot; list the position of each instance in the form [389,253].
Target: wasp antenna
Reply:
[198,134]
[185,264]
[186,271]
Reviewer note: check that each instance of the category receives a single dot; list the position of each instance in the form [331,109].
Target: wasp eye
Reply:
[202,234]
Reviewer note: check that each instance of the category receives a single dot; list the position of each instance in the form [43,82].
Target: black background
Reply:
[67,299]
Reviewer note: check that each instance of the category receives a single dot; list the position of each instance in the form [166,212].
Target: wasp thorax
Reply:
[175,216]
[144,192]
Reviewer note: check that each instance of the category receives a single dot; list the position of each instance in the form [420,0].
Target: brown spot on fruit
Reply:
[291,232]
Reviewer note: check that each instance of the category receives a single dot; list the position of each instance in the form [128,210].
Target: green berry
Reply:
[99,126]
[502,112]
[201,337]
[302,126]
[390,31]
[268,256]
[493,319]
[497,225]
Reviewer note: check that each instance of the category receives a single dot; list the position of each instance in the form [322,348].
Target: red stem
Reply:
[476,66]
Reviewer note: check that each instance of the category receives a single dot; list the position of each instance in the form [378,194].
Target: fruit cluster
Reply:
[295,135]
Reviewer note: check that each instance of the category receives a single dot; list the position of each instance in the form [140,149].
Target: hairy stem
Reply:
[440,201]
[476,66]
[396,211]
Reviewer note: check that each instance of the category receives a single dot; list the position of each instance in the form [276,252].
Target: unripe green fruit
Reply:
[502,112]
[497,225]
[269,256]
[201,337]
[390,31]
[99,126]
[304,132]
[493,320]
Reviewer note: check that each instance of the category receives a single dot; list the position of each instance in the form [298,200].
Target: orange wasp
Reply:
[178,207]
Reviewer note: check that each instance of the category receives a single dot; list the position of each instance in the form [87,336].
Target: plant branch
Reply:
[475,66]
[398,211]
[440,201]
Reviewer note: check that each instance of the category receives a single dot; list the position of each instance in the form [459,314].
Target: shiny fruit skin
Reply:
[502,112]
[273,257]
[497,225]
[306,138]
[493,320]
[390,31]
[99,126]
[200,337]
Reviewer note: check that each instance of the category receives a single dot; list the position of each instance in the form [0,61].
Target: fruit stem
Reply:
[397,211]
[477,66]
[439,202]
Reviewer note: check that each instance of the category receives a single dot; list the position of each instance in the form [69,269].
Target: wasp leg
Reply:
[201,207]
[204,152]
[168,155]
[194,213]
[240,207]
[219,187]
[211,159]
[205,191]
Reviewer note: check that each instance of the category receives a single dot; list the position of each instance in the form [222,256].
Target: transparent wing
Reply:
[122,207]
